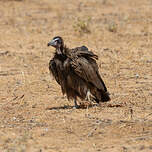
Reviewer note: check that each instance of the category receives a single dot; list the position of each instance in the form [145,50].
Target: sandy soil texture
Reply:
[35,116]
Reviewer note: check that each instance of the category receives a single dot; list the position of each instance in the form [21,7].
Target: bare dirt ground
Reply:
[35,116]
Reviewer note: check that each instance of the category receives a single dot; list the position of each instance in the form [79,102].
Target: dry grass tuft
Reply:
[82,26]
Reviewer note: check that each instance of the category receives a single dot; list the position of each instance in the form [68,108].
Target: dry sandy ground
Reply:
[35,116]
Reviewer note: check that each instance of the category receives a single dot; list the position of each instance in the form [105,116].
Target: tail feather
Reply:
[105,97]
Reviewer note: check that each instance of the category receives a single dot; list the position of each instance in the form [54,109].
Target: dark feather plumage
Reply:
[76,71]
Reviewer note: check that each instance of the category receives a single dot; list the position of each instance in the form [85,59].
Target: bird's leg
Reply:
[75,104]
[89,96]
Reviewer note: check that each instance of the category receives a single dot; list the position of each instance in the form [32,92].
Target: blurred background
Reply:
[35,116]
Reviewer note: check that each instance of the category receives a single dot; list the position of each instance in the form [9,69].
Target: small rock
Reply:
[14,118]
[137,75]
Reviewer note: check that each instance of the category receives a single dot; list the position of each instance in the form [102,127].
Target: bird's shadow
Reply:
[71,107]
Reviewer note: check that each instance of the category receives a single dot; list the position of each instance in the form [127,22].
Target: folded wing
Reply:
[84,65]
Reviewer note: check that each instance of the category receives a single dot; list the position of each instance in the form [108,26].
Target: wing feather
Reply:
[58,72]
[53,71]
[81,52]
[87,69]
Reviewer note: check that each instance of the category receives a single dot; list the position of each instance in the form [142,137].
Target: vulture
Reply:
[76,71]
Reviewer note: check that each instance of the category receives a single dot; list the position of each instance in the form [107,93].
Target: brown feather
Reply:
[76,71]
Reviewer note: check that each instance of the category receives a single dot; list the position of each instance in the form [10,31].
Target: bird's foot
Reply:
[89,96]
[76,106]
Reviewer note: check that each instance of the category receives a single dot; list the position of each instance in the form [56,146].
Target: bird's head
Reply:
[57,42]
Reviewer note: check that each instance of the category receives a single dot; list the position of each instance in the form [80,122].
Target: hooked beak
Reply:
[51,43]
